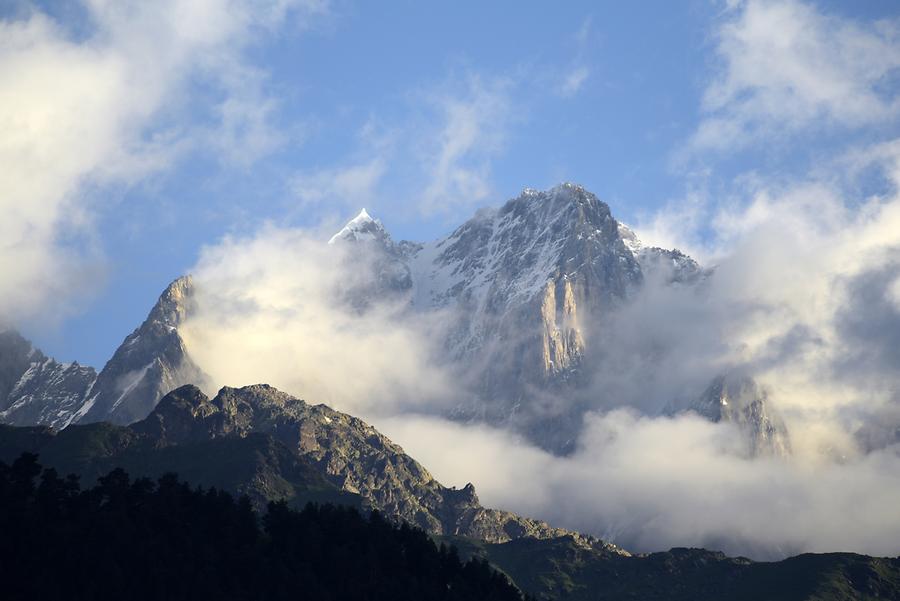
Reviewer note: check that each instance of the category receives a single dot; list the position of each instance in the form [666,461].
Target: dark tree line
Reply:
[139,539]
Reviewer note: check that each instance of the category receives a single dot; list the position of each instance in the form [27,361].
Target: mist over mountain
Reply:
[620,389]
[633,276]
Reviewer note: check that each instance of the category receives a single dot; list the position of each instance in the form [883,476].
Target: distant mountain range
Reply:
[522,285]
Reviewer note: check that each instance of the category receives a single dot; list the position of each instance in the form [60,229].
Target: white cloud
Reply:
[573,81]
[574,78]
[457,155]
[104,107]
[653,483]
[353,185]
[786,66]
[269,310]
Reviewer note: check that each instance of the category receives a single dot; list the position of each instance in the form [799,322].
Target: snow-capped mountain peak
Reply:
[361,228]
[630,239]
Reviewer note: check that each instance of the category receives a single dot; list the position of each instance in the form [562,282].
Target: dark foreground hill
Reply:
[562,569]
[259,442]
[141,539]
[271,446]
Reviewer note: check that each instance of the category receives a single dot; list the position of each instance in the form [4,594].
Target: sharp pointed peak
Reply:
[361,227]
[173,304]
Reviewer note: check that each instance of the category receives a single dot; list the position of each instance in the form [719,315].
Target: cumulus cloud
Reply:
[786,66]
[102,105]
[268,310]
[801,298]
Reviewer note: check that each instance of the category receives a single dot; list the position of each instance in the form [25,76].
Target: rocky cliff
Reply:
[150,362]
[36,389]
[350,454]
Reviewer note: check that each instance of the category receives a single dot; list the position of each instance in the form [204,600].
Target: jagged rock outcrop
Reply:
[269,445]
[350,453]
[150,362]
[740,400]
[523,282]
[153,360]
[36,389]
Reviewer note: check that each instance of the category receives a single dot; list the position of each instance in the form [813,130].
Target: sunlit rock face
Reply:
[150,362]
[523,282]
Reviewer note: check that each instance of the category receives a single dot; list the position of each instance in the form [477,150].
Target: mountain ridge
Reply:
[344,451]
[520,287]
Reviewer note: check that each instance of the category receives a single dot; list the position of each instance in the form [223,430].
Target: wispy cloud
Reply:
[108,106]
[345,186]
[575,77]
[785,66]
[574,80]
[457,155]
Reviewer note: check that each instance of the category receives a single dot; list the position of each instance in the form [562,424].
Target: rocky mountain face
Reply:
[520,291]
[348,452]
[524,280]
[282,447]
[35,389]
[150,362]
[743,402]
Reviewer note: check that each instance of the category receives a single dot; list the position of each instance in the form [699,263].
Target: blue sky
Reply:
[150,131]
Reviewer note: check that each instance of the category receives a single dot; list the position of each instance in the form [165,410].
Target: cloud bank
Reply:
[268,309]
[655,483]
[805,297]
[102,102]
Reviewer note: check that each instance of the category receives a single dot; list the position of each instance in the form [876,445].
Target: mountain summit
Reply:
[360,228]
[522,290]
[150,362]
